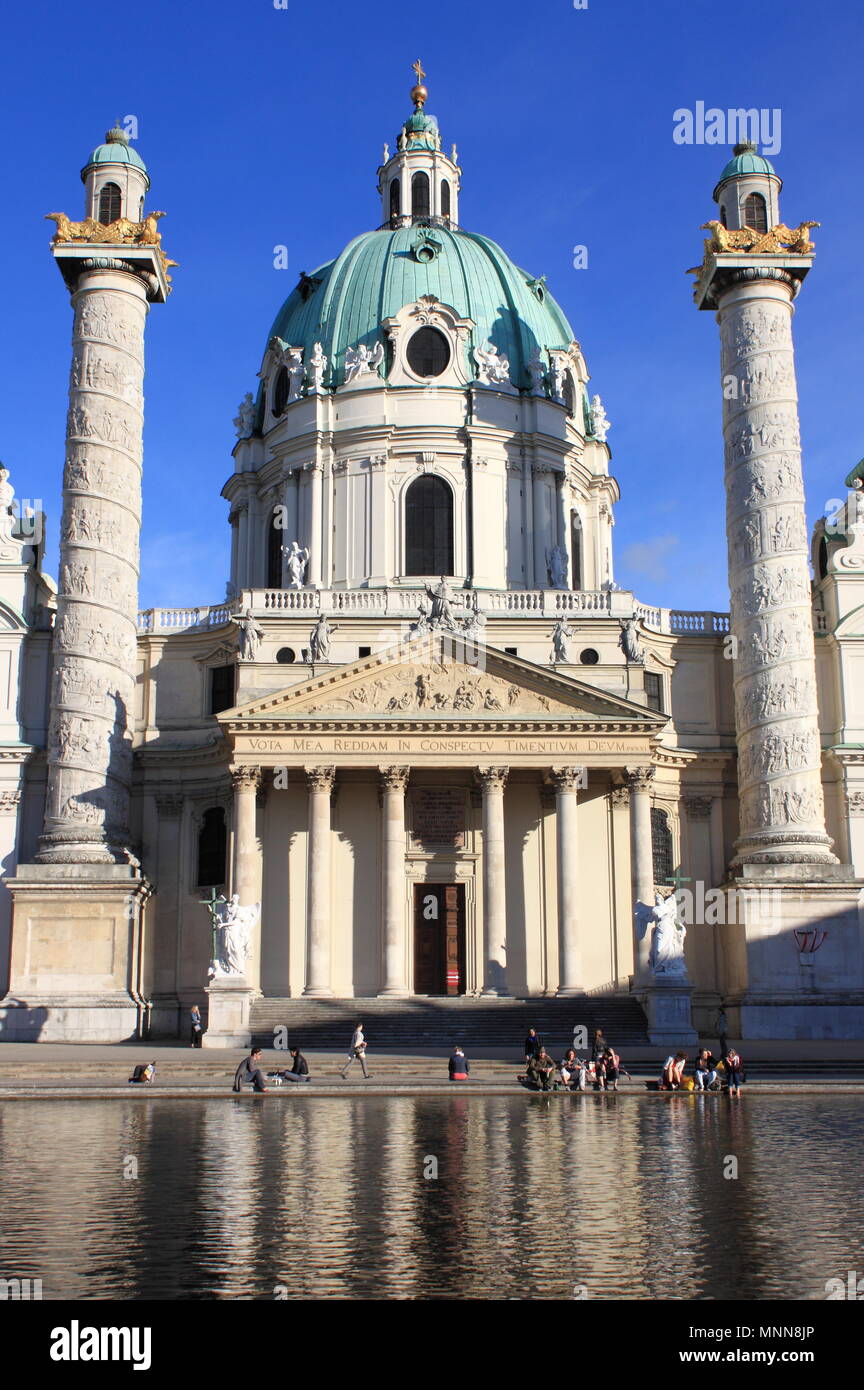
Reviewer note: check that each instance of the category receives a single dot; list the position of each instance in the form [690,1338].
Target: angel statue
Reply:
[666,957]
[363,361]
[296,561]
[233,926]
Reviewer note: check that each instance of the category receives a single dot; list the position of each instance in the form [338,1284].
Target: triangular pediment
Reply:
[440,676]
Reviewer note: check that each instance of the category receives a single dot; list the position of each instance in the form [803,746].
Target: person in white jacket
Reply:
[357,1051]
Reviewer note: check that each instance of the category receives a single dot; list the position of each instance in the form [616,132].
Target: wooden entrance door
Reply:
[439,938]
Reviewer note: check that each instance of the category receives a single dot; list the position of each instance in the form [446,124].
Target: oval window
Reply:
[286,656]
[589,657]
[428,352]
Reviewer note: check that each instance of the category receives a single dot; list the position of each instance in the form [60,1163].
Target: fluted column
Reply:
[94,648]
[639,780]
[492,781]
[566,781]
[393,783]
[318,936]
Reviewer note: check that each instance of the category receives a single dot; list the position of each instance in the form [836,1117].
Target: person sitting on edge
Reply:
[540,1070]
[706,1070]
[144,1072]
[673,1072]
[572,1071]
[300,1068]
[250,1072]
[734,1071]
[532,1045]
[458,1066]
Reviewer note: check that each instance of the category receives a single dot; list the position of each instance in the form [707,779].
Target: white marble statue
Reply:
[557,373]
[296,561]
[600,425]
[244,422]
[385,156]
[441,610]
[234,926]
[474,626]
[296,373]
[537,373]
[363,361]
[556,564]
[316,368]
[666,956]
[7,495]
[249,637]
[319,640]
[629,642]
[493,369]
[561,634]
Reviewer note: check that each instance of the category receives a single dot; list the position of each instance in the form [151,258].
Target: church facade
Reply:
[425,730]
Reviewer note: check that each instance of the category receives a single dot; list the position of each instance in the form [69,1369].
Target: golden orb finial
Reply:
[419,93]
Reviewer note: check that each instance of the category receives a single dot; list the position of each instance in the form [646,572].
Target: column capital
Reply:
[492,778]
[566,779]
[320,779]
[639,779]
[394,779]
[619,794]
[246,779]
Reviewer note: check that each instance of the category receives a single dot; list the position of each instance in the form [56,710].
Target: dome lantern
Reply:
[748,191]
[419,184]
[116,180]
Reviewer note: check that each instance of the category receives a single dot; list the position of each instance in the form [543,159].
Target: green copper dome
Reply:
[745,160]
[115,150]
[343,303]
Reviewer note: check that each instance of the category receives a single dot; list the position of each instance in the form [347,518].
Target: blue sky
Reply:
[263,126]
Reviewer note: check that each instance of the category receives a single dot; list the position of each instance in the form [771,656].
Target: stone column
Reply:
[566,781]
[776,716]
[245,867]
[639,780]
[393,783]
[318,942]
[541,534]
[95,643]
[492,781]
[316,533]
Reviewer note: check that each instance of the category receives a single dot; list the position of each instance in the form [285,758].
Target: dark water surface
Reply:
[534,1195]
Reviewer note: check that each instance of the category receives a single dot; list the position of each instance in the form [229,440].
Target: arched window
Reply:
[569,394]
[823,558]
[445,199]
[661,844]
[212,846]
[429,527]
[723,222]
[755,214]
[280,391]
[420,195]
[275,537]
[395,198]
[109,203]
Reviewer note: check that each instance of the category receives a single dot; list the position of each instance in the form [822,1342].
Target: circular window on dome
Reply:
[589,657]
[280,391]
[286,656]
[428,352]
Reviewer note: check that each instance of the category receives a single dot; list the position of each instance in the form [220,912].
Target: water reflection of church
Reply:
[425,730]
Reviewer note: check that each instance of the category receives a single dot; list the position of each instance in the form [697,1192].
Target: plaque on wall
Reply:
[439,817]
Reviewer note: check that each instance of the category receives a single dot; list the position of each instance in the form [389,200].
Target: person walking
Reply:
[357,1052]
[734,1071]
[197,1030]
[458,1065]
[249,1071]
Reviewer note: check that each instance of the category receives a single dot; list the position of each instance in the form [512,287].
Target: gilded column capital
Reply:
[320,779]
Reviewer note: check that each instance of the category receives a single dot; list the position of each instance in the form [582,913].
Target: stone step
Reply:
[441,1022]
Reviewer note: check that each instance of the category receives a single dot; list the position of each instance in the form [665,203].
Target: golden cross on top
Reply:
[418,68]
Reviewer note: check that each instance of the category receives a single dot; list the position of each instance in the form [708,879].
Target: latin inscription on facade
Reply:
[439,817]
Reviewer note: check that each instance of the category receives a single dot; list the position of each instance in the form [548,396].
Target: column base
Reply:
[317,994]
[570,992]
[395,994]
[71,1018]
